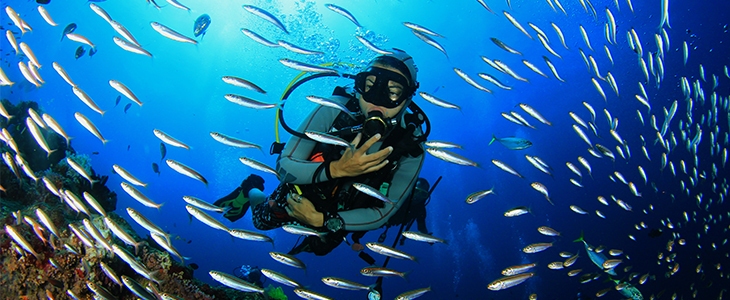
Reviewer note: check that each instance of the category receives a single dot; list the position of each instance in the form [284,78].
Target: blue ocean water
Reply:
[182,92]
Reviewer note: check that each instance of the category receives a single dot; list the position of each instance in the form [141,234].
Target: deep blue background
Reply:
[182,91]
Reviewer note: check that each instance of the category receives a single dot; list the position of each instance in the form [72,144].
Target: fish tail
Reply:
[494,138]
[405,275]
[579,239]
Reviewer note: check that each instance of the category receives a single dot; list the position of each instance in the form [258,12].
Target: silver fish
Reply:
[329,139]
[389,251]
[250,235]
[552,69]
[372,192]
[169,139]
[504,46]
[494,81]
[235,282]
[137,195]
[420,28]
[451,157]
[436,101]
[259,39]
[305,67]
[258,165]
[280,278]
[535,114]
[266,16]
[516,24]
[185,170]
[471,81]
[372,46]
[131,47]
[505,167]
[172,34]
[206,218]
[248,102]
[233,142]
[428,40]
[343,12]
[542,189]
[296,49]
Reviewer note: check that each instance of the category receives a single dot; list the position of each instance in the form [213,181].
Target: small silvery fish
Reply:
[438,102]
[517,211]
[516,24]
[185,170]
[537,247]
[508,282]
[248,102]
[330,103]
[240,82]
[372,192]
[371,46]
[202,204]
[505,167]
[128,176]
[542,189]
[296,49]
[494,81]
[288,260]
[304,67]
[451,157]
[233,142]
[344,284]
[280,278]
[329,139]
[343,12]
[81,170]
[423,237]
[389,251]
[301,230]
[205,218]
[266,16]
[169,139]
[259,39]
[441,144]
[124,90]
[548,231]
[413,294]
[476,196]
[518,269]
[131,47]
[250,235]
[379,272]
[470,80]
[137,195]
[86,123]
[258,165]
[235,282]
[307,294]
[504,46]
[428,40]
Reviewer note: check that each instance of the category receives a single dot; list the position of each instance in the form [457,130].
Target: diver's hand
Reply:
[356,162]
[303,210]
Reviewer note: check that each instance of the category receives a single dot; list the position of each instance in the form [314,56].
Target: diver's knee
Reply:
[256,197]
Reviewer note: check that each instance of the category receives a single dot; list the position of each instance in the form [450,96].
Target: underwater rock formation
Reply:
[50,249]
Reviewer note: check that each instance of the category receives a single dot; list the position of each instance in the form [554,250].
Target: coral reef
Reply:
[35,264]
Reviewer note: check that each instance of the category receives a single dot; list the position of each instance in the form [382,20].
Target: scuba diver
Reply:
[250,274]
[236,203]
[385,154]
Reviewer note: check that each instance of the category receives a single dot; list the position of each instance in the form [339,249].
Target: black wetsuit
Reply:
[358,211]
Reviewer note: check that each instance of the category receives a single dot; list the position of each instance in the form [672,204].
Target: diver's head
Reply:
[385,89]
[420,191]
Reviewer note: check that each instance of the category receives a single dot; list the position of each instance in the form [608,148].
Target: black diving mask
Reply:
[383,87]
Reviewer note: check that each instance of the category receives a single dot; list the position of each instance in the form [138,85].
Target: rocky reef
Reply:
[40,264]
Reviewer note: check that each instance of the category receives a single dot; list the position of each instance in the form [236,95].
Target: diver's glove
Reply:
[237,204]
